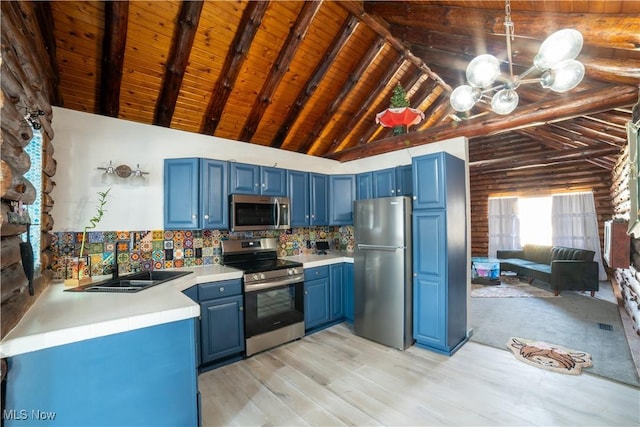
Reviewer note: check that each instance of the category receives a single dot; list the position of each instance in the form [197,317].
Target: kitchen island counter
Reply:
[59,317]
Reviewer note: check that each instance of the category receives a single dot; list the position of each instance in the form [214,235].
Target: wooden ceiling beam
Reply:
[596,28]
[549,111]
[245,33]
[337,44]
[354,76]
[178,59]
[542,159]
[558,142]
[355,8]
[279,68]
[366,105]
[42,10]
[116,15]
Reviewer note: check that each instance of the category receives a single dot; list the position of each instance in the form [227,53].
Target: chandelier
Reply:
[554,64]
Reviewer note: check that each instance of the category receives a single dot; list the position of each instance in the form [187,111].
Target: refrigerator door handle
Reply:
[379,247]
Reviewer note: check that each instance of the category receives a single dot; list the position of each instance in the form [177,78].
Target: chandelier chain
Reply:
[509,34]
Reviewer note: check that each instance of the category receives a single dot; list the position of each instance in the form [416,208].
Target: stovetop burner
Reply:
[254,256]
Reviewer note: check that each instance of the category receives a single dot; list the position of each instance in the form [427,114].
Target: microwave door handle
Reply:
[277,213]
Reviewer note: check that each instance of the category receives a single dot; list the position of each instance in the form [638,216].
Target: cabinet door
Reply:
[273,181]
[214,206]
[319,196]
[336,291]
[348,291]
[222,328]
[181,194]
[316,302]
[244,179]
[428,182]
[404,180]
[364,186]
[384,183]
[341,195]
[429,279]
[298,183]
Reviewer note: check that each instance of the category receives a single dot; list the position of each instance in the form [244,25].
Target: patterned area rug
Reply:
[549,356]
[509,290]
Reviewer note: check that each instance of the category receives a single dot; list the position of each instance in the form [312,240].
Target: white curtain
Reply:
[504,224]
[574,224]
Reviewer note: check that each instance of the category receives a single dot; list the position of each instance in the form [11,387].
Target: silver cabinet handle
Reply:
[206,216]
[221,289]
[194,216]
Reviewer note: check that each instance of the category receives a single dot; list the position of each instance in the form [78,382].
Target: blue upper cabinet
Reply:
[318,199]
[429,177]
[244,178]
[384,183]
[273,181]
[181,193]
[195,194]
[258,180]
[342,191]
[298,184]
[214,208]
[364,186]
[404,180]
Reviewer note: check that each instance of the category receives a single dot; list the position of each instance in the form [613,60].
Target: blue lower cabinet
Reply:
[220,331]
[142,377]
[316,303]
[348,292]
[336,292]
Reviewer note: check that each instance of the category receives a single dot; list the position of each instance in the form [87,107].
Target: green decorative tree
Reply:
[399,98]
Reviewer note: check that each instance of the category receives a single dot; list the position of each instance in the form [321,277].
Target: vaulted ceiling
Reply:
[311,76]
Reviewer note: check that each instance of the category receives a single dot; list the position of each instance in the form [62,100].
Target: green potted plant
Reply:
[79,268]
[399,115]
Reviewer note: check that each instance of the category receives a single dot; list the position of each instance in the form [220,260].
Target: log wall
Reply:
[25,86]
[541,180]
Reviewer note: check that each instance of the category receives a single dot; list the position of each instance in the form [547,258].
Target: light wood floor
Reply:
[336,378]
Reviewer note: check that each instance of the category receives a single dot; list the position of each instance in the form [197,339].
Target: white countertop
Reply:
[312,260]
[59,317]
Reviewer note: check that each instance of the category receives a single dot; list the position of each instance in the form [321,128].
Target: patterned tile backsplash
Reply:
[158,249]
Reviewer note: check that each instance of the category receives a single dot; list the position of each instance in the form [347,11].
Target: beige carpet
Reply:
[509,290]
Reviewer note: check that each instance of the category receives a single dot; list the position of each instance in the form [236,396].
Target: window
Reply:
[535,220]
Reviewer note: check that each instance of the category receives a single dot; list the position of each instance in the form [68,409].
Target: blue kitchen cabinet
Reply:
[318,199]
[364,186]
[258,180]
[298,184]
[195,194]
[142,377]
[221,321]
[316,297]
[348,292]
[384,183]
[440,255]
[336,292]
[342,191]
[404,180]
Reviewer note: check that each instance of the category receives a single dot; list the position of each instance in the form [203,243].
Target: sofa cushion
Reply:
[564,253]
[537,253]
[543,268]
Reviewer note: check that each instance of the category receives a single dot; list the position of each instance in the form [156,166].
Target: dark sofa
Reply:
[563,268]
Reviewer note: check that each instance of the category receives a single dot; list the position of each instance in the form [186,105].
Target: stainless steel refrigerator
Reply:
[382,271]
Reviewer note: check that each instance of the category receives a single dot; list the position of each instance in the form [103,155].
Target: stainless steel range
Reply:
[273,292]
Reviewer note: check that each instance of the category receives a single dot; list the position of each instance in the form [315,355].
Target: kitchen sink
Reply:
[131,283]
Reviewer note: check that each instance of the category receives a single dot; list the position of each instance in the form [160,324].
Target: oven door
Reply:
[273,308]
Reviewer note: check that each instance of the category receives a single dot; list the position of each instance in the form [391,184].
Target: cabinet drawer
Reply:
[316,273]
[207,291]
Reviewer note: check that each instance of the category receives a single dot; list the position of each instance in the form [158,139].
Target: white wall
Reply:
[85,141]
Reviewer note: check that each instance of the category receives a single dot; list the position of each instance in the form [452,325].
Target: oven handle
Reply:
[273,284]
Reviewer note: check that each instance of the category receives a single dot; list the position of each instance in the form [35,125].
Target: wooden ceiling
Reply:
[311,76]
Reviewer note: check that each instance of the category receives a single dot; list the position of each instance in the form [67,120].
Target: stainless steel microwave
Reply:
[248,213]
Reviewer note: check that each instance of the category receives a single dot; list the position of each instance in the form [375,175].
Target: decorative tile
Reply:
[157,235]
[168,235]
[168,244]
